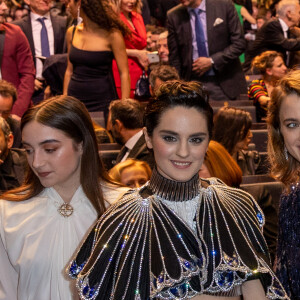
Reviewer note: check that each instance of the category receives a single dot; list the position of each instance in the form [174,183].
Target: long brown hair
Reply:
[231,125]
[285,170]
[69,115]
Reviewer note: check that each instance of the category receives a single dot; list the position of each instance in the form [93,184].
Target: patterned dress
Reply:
[176,240]
[288,250]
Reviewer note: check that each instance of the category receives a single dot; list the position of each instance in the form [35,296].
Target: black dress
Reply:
[176,240]
[92,80]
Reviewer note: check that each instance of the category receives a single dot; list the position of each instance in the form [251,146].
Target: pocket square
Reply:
[218,21]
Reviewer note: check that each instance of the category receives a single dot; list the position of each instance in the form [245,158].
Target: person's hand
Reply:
[38,85]
[264,101]
[295,31]
[142,56]
[47,92]
[15,117]
[202,65]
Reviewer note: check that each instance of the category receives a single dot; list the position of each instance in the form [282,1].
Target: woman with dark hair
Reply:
[92,45]
[65,190]
[271,66]
[130,13]
[232,130]
[284,154]
[178,237]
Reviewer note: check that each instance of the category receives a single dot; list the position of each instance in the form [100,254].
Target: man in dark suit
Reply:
[126,124]
[16,64]
[275,34]
[205,40]
[13,162]
[46,36]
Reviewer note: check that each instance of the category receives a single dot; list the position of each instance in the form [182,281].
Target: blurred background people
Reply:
[275,34]
[13,162]
[232,130]
[126,125]
[159,75]
[162,47]
[284,155]
[45,33]
[132,173]
[271,66]
[92,46]
[16,62]
[8,96]
[129,12]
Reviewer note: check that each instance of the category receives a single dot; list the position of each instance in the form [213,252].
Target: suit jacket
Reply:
[59,25]
[225,44]
[140,152]
[12,171]
[17,66]
[271,37]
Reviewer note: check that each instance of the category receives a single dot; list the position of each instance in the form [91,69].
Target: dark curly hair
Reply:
[102,13]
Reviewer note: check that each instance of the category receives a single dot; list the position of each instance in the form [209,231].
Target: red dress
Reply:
[137,40]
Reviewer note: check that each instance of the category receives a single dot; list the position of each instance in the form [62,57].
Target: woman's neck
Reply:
[174,190]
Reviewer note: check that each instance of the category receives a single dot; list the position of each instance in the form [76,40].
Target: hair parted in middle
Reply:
[69,115]
[178,93]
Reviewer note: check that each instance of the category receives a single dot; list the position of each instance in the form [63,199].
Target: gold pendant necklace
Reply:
[65,210]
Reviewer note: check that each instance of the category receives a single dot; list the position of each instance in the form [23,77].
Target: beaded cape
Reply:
[142,249]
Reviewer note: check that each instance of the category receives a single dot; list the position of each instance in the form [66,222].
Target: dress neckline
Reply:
[108,51]
[174,190]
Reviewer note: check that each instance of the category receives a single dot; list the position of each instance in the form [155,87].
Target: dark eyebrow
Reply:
[291,120]
[176,134]
[43,142]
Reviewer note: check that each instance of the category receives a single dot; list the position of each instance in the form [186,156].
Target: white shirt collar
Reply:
[34,16]
[202,6]
[285,28]
[132,141]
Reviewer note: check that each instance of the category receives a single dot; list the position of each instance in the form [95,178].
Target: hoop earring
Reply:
[285,152]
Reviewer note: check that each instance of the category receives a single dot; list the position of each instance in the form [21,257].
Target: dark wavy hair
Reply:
[231,126]
[178,93]
[69,115]
[102,13]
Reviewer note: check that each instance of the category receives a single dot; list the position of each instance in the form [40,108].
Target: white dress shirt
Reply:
[131,143]
[36,33]
[37,243]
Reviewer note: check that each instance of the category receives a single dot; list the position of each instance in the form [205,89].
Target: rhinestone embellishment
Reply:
[65,210]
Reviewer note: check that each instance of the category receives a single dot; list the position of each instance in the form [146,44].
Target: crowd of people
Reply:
[140,141]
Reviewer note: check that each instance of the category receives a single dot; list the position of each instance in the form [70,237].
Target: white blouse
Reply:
[37,243]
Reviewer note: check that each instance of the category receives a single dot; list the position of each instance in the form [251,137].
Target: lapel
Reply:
[2,38]
[185,27]
[56,31]
[139,147]
[27,29]
[210,19]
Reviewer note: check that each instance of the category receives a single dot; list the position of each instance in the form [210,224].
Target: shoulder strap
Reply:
[73,32]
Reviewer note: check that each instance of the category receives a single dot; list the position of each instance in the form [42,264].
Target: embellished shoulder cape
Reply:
[174,240]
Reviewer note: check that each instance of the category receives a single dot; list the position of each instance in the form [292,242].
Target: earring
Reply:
[79,19]
[285,152]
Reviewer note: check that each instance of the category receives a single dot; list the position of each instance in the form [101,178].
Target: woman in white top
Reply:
[66,189]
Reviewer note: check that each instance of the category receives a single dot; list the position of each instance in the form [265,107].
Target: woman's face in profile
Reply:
[179,143]
[134,176]
[244,144]
[53,156]
[278,69]
[289,116]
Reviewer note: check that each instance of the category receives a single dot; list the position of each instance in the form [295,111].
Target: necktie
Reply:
[121,154]
[44,38]
[200,38]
